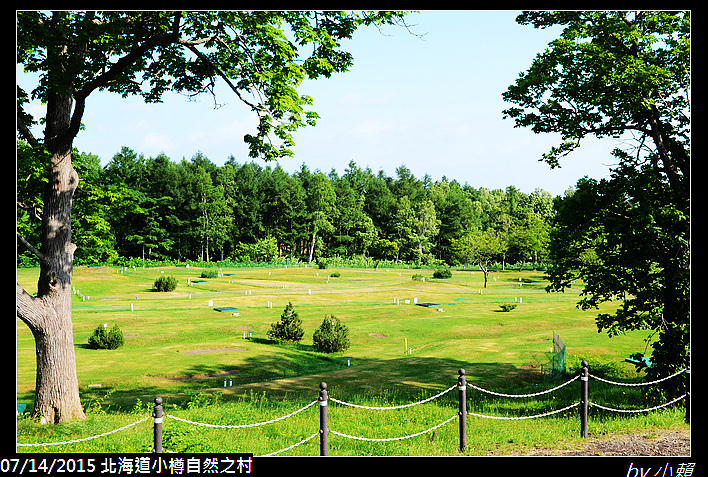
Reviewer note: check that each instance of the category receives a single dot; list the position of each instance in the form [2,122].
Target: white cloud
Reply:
[352,99]
[154,143]
[356,99]
[374,128]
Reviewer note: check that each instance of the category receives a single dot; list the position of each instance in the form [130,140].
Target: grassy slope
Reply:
[168,334]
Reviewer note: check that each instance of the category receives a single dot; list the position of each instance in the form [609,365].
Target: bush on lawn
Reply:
[165,284]
[102,338]
[507,306]
[332,336]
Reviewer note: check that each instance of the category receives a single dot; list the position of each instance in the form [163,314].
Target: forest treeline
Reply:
[159,209]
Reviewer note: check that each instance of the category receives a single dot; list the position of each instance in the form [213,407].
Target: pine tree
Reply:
[332,336]
[289,328]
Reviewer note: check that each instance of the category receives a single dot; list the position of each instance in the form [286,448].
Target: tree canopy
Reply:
[262,56]
[621,75]
[159,209]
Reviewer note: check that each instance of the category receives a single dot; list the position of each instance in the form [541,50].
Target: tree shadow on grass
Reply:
[298,377]
[407,377]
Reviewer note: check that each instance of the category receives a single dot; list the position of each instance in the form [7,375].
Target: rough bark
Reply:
[57,396]
[49,314]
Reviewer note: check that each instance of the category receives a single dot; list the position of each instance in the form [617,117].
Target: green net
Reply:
[555,368]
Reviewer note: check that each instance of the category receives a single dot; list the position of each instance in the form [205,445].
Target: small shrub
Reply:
[507,306]
[334,274]
[599,366]
[321,264]
[332,336]
[289,328]
[202,399]
[165,284]
[442,273]
[181,439]
[209,274]
[105,339]
[418,277]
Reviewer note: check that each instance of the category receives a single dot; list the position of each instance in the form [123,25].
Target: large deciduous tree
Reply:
[148,53]
[481,246]
[622,75]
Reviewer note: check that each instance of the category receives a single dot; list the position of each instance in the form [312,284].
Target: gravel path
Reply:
[653,443]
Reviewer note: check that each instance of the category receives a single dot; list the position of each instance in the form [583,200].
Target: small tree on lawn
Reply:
[478,246]
[332,336]
[165,284]
[289,328]
[102,338]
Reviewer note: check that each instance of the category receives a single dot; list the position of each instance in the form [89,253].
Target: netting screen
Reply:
[556,366]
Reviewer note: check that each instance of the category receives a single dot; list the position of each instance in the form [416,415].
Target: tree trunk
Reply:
[49,314]
[57,390]
[312,247]
[485,272]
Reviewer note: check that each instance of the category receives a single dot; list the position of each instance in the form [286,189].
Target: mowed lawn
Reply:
[177,344]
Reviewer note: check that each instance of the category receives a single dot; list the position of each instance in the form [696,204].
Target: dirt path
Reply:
[652,443]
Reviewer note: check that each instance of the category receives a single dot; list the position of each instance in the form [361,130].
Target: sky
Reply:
[429,100]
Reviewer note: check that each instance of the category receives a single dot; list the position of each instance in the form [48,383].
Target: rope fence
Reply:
[86,438]
[462,386]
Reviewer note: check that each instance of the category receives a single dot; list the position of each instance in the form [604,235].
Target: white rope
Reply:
[292,446]
[638,384]
[390,408]
[525,417]
[522,395]
[392,438]
[638,410]
[85,438]
[224,426]
[393,407]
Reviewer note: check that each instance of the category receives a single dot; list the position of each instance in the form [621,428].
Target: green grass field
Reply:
[178,347]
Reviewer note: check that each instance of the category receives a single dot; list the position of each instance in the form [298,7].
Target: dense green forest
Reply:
[160,209]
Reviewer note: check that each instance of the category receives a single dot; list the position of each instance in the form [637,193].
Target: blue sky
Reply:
[432,104]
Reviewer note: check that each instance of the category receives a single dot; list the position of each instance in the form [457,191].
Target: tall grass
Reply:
[484,436]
